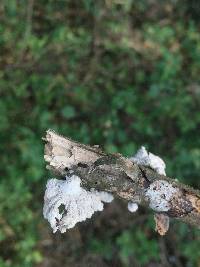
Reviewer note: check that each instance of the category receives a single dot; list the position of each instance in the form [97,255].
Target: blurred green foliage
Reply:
[136,244]
[115,73]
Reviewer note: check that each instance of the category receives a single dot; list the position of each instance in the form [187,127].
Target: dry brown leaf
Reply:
[162,223]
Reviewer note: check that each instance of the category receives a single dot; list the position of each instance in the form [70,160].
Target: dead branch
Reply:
[119,175]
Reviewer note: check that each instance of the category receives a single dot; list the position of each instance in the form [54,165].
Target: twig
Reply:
[119,175]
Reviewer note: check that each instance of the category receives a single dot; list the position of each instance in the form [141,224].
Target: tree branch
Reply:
[124,178]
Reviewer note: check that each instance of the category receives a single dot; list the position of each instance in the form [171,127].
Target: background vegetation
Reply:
[115,73]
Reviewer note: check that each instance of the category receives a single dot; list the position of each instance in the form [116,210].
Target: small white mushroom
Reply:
[132,207]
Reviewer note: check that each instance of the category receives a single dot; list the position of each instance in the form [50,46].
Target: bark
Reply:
[118,175]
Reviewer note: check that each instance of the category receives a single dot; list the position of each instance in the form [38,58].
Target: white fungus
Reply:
[156,191]
[148,159]
[104,196]
[159,194]
[77,203]
[132,207]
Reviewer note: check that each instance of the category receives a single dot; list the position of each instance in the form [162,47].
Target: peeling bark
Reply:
[162,223]
[120,176]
